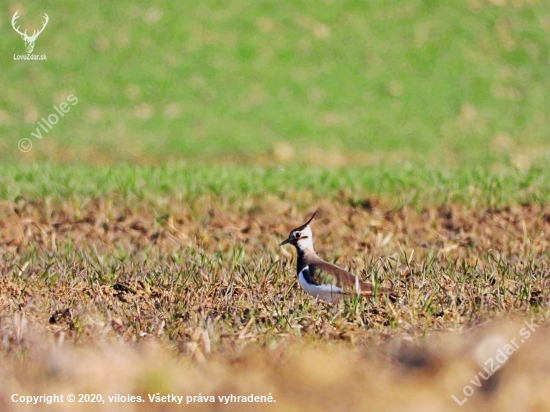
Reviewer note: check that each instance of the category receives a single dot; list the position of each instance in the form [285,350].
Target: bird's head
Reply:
[301,237]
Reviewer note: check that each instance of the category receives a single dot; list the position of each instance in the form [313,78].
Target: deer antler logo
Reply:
[29,40]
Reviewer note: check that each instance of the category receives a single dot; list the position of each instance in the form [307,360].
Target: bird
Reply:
[322,279]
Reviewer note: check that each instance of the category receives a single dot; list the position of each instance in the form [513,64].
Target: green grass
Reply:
[462,81]
[418,186]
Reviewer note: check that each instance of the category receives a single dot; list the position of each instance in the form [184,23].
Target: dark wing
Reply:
[326,273]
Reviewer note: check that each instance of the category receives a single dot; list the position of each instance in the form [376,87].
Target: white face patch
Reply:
[328,293]
[305,241]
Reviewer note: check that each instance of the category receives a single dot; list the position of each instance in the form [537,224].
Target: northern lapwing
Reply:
[322,279]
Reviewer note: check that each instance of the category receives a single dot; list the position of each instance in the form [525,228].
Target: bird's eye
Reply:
[297,235]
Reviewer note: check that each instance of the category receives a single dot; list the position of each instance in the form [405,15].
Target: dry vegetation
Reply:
[117,298]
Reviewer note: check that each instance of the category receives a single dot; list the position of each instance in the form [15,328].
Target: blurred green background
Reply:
[327,83]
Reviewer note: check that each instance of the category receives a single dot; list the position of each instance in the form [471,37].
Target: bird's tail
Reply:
[380,293]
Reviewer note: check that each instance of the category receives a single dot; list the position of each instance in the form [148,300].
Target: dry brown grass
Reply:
[109,297]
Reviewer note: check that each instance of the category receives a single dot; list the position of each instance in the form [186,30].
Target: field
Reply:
[448,82]
[187,292]
[140,266]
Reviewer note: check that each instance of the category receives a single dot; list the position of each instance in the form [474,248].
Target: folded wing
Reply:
[326,273]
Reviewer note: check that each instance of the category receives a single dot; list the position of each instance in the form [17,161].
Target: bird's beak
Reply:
[284,242]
